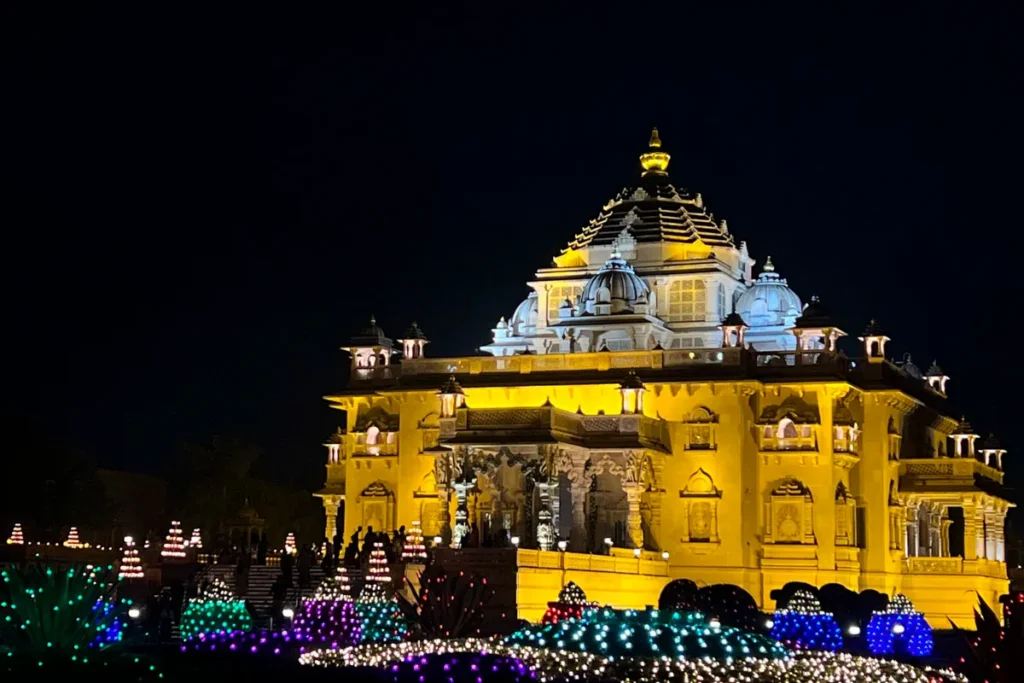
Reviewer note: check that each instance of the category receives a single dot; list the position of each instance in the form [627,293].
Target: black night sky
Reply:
[201,209]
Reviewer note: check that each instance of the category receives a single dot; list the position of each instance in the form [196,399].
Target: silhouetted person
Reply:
[368,540]
[287,565]
[399,540]
[327,563]
[278,593]
[501,541]
[354,538]
[474,536]
[261,549]
[242,573]
[305,563]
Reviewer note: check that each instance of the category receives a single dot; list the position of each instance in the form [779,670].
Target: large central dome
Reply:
[615,284]
[654,210]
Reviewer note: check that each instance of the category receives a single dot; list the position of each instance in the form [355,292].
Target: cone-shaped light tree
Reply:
[377,607]
[174,544]
[17,536]
[414,551]
[131,563]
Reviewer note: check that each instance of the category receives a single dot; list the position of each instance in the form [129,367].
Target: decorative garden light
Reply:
[174,544]
[899,627]
[803,625]
[17,536]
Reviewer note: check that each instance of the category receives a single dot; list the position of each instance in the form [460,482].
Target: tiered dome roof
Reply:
[654,210]
[525,316]
[769,301]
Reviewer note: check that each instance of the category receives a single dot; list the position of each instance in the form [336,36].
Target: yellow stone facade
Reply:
[718,461]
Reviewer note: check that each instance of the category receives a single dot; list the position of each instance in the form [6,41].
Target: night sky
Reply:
[201,209]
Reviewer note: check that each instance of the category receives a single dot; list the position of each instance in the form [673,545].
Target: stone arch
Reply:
[701,483]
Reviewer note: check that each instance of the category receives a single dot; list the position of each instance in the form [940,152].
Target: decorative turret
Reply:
[654,161]
[370,349]
[815,330]
[963,439]
[413,342]
[992,452]
[333,445]
[732,329]
[452,397]
[936,378]
[632,390]
[874,342]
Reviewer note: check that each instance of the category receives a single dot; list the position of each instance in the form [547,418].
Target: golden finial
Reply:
[769,267]
[654,160]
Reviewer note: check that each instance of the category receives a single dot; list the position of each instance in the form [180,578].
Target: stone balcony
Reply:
[942,474]
[549,425]
[955,566]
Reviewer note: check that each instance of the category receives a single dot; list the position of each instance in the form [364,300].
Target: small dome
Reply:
[615,284]
[769,301]
[372,335]
[525,316]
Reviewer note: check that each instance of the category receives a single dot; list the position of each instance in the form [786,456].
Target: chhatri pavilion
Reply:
[659,407]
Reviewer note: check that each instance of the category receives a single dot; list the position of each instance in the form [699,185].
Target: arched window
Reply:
[721,302]
[372,432]
[787,429]
[700,509]
[604,295]
[687,300]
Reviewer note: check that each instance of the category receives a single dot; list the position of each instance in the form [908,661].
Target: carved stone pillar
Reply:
[444,514]
[971,541]
[946,523]
[1000,537]
[545,517]
[331,514]
[578,535]
[461,529]
[990,535]
[634,526]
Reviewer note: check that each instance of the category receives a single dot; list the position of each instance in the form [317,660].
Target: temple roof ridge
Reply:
[654,210]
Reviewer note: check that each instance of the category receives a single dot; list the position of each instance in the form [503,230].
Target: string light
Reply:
[571,604]
[214,610]
[414,551]
[197,539]
[803,625]
[650,633]
[566,665]
[899,627]
[73,540]
[380,616]
[174,544]
[131,564]
[289,544]
[17,536]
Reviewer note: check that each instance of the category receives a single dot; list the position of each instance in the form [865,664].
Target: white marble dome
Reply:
[524,319]
[616,286]
[769,301]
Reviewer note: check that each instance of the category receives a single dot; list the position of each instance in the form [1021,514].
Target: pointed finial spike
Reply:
[769,267]
[654,160]
[373,319]
[655,139]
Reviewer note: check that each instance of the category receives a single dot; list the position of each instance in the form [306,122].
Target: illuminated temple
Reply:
[660,407]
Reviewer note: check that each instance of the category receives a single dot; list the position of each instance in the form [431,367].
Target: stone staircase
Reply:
[261,581]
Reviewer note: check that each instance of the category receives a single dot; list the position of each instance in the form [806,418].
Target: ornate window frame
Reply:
[701,425]
[700,489]
[846,517]
[790,498]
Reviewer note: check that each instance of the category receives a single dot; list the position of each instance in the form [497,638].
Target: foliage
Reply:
[728,603]
[994,653]
[63,611]
[650,633]
[449,605]
[680,595]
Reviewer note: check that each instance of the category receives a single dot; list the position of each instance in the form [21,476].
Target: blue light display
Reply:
[899,628]
[802,625]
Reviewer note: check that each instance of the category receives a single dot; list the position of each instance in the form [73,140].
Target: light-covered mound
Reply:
[553,664]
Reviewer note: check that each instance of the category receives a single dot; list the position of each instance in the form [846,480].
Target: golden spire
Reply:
[769,267]
[654,160]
